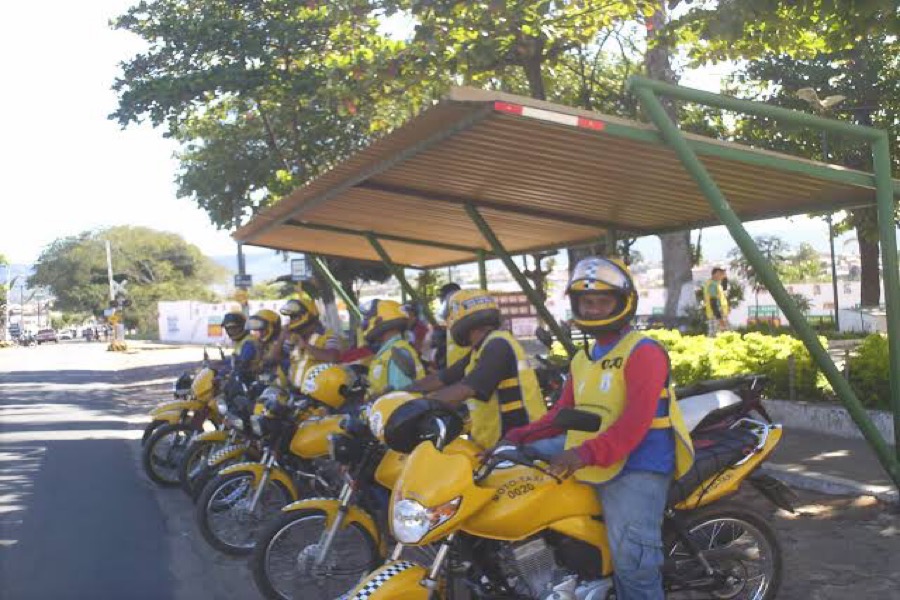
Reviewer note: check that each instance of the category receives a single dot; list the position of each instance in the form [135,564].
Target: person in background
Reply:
[715,303]
[444,351]
[396,363]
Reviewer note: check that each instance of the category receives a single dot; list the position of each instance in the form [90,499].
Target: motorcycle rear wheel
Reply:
[162,453]
[737,542]
[223,519]
[283,560]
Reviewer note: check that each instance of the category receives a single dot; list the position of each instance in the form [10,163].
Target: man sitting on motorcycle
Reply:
[245,358]
[306,341]
[396,364]
[642,441]
[495,379]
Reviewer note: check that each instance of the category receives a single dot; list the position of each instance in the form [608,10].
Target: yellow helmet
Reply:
[327,383]
[267,323]
[380,316]
[468,309]
[597,274]
[301,311]
[381,410]
[203,385]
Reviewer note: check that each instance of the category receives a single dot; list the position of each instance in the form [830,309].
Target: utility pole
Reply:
[241,293]
[5,332]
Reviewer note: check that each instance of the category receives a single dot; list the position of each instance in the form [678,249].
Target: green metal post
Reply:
[513,269]
[882,162]
[482,271]
[400,276]
[766,274]
[320,266]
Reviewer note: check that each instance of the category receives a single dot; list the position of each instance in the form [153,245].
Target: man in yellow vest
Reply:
[307,342]
[495,379]
[715,303]
[396,363]
[446,351]
[642,442]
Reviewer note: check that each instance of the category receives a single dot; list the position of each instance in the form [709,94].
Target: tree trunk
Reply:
[676,247]
[869,276]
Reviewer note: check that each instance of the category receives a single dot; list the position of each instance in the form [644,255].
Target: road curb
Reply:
[832,419]
[829,484]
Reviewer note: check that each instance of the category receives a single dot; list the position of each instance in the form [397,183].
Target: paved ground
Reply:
[79,520]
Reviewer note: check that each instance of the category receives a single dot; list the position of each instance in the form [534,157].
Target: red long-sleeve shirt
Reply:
[646,372]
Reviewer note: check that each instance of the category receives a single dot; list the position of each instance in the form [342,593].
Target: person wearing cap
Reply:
[306,341]
[396,363]
[494,378]
[245,358]
[642,443]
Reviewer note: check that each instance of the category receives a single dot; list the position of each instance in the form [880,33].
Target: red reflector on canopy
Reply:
[591,124]
[514,109]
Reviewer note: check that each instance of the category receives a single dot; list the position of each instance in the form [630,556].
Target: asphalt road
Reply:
[77,517]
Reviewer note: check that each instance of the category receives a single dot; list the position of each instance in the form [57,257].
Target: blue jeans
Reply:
[633,506]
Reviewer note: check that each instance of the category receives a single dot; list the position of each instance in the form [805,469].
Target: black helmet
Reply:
[233,324]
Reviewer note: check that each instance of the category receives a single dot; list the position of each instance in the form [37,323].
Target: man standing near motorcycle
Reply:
[307,341]
[396,364]
[715,303]
[494,378]
[642,441]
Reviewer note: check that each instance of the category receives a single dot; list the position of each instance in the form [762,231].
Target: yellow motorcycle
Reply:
[178,423]
[507,527]
[236,504]
[320,547]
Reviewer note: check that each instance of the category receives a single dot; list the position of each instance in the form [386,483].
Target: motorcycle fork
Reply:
[329,534]
[268,461]
[431,582]
[684,536]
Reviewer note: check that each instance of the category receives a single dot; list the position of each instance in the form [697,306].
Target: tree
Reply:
[157,265]
[4,295]
[773,248]
[804,265]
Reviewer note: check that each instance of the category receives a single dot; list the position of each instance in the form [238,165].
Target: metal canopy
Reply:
[543,175]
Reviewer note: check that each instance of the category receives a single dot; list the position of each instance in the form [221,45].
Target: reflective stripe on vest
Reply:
[600,387]
[302,361]
[516,401]
[380,367]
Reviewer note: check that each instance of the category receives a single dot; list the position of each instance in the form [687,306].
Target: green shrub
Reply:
[869,375]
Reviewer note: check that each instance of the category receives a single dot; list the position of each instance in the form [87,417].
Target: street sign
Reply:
[243,281]
[301,270]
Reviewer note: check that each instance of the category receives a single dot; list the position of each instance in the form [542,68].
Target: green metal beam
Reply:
[482,271]
[524,284]
[766,273]
[382,236]
[401,277]
[322,268]
[881,155]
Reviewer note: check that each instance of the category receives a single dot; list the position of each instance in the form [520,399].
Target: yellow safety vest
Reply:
[379,368]
[455,353]
[600,388]
[302,360]
[516,401]
[256,363]
[707,299]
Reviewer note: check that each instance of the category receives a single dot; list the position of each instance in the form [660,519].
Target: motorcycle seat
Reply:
[714,453]
[696,409]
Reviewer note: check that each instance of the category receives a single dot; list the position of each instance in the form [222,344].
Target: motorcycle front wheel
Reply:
[739,545]
[163,451]
[223,511]
[284,560]
[192,465]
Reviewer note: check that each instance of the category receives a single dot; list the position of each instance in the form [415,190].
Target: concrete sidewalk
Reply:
[830,464]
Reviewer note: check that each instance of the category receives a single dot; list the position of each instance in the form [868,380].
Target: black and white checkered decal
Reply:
[383,576]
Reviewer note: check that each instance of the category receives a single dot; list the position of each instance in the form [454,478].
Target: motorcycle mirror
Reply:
[205,354]
[544,337]
[221,352]
[578,420]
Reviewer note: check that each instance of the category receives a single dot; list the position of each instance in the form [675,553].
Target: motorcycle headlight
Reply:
[221,406]
[256,424]
[411,521]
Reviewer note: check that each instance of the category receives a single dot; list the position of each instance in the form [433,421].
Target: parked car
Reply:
[46,335]
[67,334]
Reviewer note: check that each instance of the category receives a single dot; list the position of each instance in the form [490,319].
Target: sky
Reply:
[68,169]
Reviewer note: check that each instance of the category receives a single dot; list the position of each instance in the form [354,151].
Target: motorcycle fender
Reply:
[256,469]
[170,418]
[225,454]
[216,436]
[176,407]
[401,579]
[330,507]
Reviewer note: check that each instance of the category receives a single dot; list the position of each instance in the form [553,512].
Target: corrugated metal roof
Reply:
[537,180]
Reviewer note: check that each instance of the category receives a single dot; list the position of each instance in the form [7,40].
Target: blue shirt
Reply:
[397,379]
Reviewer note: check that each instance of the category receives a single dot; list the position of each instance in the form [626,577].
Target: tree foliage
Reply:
[157,265]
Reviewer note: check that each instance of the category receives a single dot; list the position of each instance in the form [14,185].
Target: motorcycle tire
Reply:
[149,429]
[189,470]
[712,525]
[225,493]
[288,545]
[163,470]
